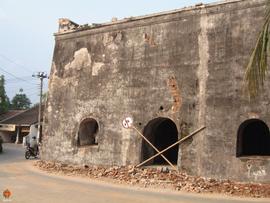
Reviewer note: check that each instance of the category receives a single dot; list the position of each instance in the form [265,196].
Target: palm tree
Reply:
[257,66]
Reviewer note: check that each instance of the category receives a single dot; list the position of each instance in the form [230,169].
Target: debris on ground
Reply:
[161,177]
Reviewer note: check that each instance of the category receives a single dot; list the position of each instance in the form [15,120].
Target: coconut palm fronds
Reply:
[257,67]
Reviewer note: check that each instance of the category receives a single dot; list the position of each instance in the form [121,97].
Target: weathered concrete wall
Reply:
[229,33]
[232,34]
[190,62]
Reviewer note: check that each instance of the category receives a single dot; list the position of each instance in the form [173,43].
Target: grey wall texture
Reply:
[186,66]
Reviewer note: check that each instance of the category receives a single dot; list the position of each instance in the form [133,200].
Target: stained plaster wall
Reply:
[191,62]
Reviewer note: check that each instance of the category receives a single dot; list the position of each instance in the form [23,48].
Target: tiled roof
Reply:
[27,117]
[9,114]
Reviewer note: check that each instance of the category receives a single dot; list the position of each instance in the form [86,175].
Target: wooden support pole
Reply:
[178,142]
[154,148]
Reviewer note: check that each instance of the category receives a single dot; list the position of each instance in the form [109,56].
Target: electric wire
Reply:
[23,77]
[27,89]
[17,64]
[37,94]
[15,81]
[14,76]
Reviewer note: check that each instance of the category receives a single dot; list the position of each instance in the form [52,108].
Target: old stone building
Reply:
[173,72]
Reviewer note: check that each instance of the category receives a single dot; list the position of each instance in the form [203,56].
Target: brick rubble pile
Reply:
[160,177]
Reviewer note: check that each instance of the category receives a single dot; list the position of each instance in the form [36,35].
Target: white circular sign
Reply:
[127,122]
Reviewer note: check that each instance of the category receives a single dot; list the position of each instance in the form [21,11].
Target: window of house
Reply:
[253,139]
[88,130]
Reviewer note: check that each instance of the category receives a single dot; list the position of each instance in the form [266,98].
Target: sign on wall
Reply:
[127,122]
[7,127]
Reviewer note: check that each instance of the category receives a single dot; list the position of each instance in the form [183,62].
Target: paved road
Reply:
[28,184]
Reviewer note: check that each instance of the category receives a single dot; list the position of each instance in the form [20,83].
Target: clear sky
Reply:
[27,27]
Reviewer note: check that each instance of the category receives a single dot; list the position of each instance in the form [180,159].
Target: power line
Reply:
[14,76]
[36,93]
[41,76]
[19,85]
[15,80]
[12,61]
[23,77]
[27,89]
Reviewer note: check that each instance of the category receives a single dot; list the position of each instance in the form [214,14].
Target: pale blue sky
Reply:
[27,27]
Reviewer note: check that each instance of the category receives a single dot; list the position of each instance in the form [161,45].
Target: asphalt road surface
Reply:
[28,184]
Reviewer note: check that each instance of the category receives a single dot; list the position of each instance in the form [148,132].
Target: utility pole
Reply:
[41,76]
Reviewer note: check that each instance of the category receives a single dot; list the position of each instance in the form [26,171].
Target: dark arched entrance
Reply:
[87,132]
[161,132]
[253,139]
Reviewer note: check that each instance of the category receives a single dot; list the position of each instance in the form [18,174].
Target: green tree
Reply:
[20,101]
[257,67]
[4,101]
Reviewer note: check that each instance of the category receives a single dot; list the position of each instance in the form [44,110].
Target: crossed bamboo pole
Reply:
[154,147]
[159,153]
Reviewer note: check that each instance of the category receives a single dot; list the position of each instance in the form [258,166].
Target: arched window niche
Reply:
[253,139]
[87,132]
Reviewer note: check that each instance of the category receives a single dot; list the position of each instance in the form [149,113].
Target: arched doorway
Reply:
[253,139]
[161,132]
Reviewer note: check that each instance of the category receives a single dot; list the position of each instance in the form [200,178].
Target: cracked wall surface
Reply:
[187,66]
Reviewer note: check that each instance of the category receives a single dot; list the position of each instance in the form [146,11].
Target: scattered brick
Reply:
[161,177]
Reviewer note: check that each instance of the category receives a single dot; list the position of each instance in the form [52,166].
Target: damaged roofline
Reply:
[77,28]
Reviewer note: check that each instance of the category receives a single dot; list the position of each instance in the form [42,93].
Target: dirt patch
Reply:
[160,177]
